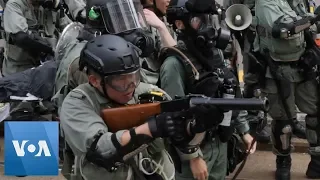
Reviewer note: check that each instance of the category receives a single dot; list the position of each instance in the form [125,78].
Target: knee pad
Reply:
[313,134]
[281,136]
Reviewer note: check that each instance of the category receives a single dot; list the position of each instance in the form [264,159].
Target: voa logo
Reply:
[41,148]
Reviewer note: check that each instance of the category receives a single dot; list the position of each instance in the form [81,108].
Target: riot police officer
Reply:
[106,88]
[203,73]
[25,44]
[286,81]
[100,20]
[154,11]
[112,66]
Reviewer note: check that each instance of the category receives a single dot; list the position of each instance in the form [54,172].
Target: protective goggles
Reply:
[123,82]
[123,15]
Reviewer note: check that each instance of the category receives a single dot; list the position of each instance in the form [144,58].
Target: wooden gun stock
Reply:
[134,115]
[129,116]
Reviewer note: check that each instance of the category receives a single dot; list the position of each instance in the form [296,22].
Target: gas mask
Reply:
[125,18]
[205,35]
[141,40]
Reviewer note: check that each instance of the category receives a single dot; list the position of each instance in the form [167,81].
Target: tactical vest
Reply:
[289,49]
[207,83]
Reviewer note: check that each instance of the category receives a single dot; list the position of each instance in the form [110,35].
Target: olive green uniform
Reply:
[153,68]
[285,53]
[81,121]
[214,152]
[20,15]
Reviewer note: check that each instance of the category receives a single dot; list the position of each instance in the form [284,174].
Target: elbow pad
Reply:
[31,42]
[137,143]
[284,30]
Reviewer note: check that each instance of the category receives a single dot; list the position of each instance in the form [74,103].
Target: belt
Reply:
[286,63]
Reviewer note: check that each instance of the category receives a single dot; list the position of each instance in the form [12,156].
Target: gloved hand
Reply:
[207,116]
[167,125]
[81,17]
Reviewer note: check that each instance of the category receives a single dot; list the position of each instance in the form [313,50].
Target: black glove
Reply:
[81,17]
[164,125]
[207,117]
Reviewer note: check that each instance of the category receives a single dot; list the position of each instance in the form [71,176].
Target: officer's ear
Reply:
[179,24]
[94,79]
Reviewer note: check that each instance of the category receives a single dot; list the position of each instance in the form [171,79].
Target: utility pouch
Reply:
[311,57]
[236,153]
[308,61]
[207,85]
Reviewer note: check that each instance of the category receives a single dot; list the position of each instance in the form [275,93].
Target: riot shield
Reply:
[68,35]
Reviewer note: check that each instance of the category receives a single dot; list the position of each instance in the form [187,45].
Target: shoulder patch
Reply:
[77,94]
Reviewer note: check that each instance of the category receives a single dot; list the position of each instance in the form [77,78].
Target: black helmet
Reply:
[177,11]
[182,9]
[109,55]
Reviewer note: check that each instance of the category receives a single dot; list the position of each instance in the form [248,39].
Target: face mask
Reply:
[205,35]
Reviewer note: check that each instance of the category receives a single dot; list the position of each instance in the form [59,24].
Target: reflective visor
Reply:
[123,82]
[199,22]
[123,15]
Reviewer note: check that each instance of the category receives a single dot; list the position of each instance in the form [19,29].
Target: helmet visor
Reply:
[123,82]
[123,15]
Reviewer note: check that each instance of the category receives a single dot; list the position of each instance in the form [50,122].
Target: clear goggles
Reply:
[123,15]
[123,82]
[199,22]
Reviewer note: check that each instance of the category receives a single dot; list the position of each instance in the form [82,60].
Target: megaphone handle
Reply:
[223,15]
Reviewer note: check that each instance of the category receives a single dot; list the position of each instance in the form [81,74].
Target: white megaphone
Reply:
[238,17]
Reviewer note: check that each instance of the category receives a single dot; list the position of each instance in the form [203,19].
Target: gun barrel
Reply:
[233,104]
